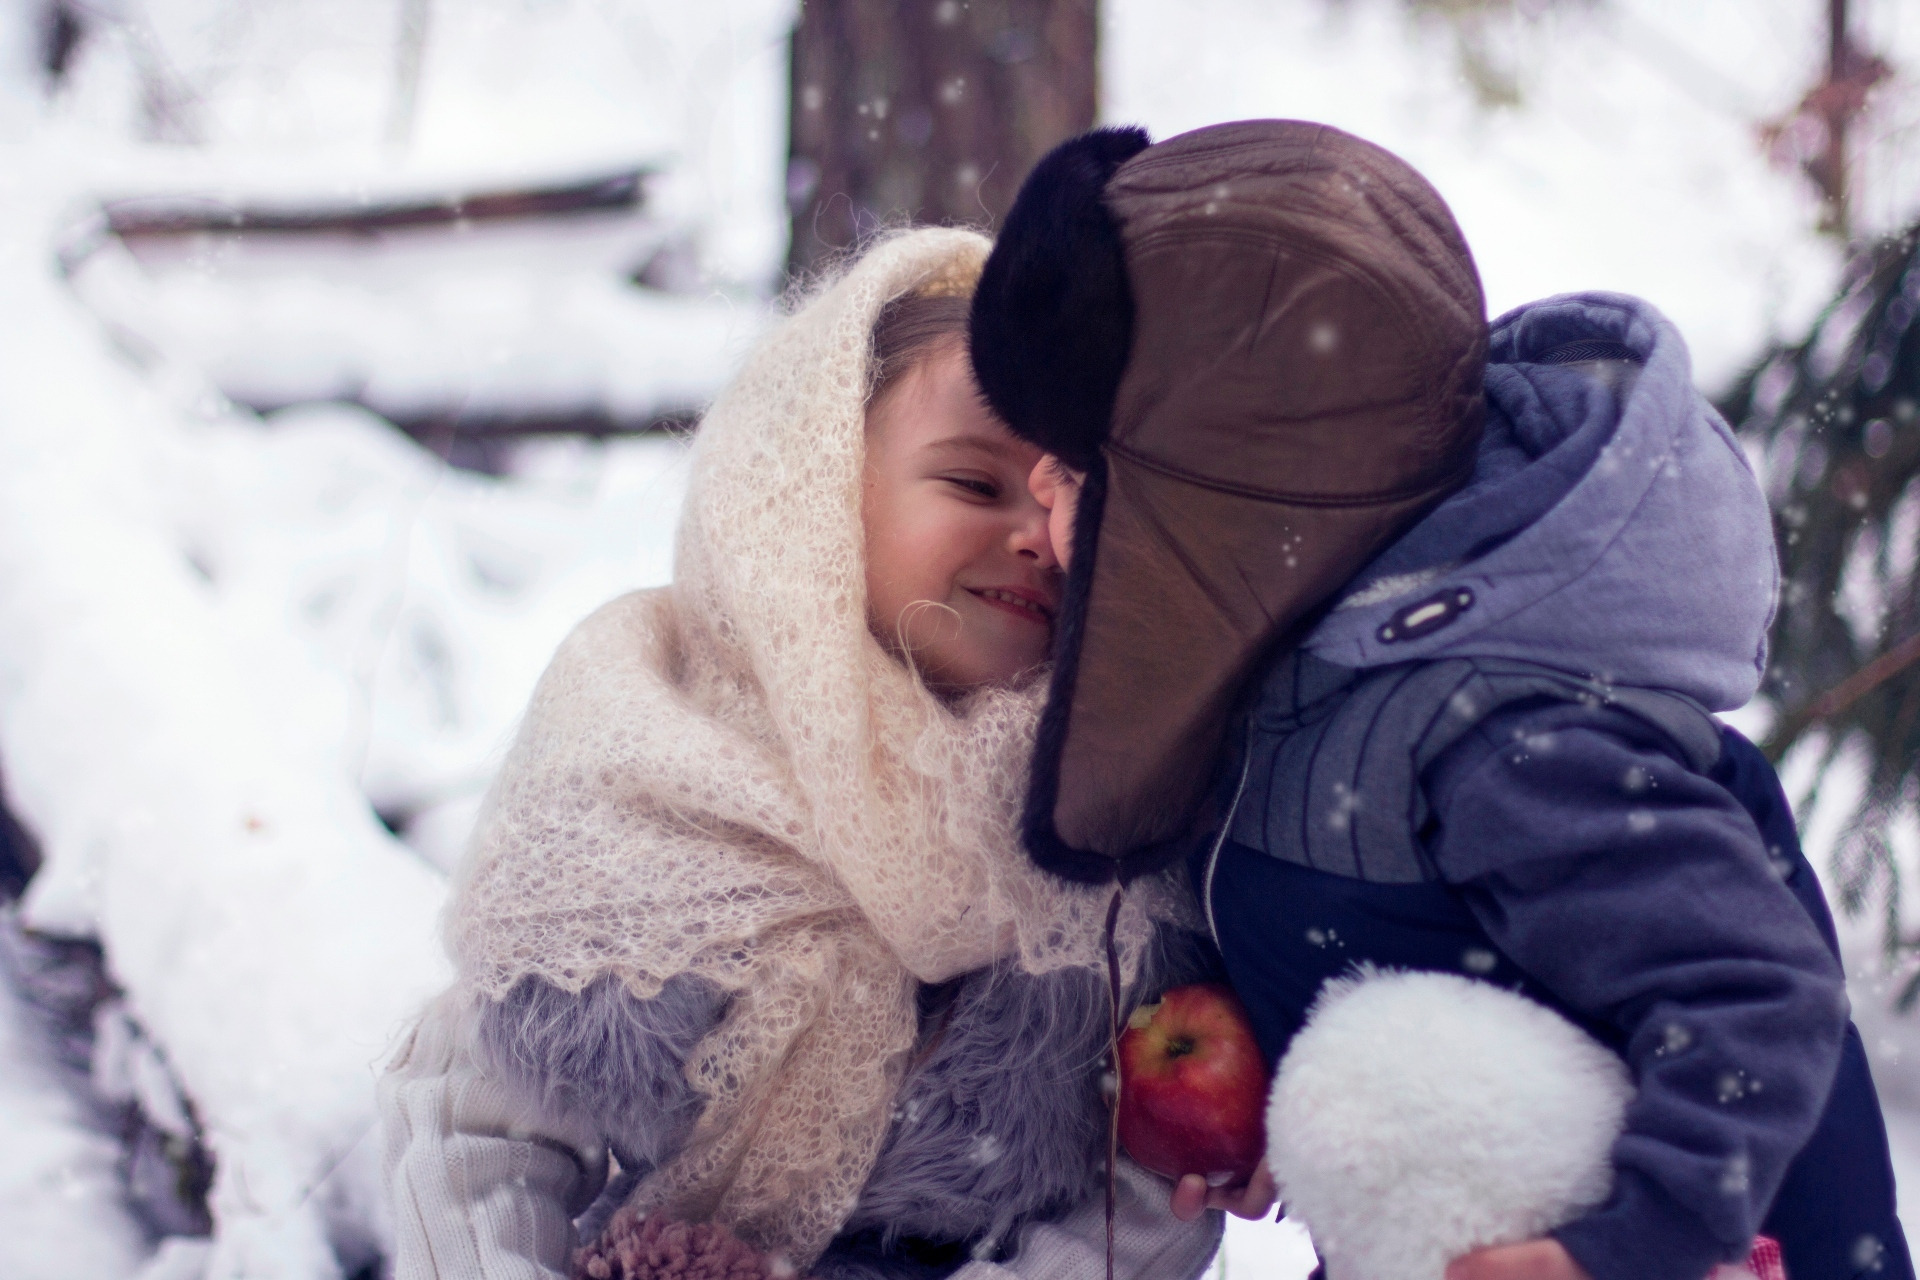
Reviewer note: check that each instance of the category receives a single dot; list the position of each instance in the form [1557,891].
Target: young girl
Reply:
[747,907]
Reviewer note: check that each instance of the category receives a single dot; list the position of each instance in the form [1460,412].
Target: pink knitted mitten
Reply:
[633,1248]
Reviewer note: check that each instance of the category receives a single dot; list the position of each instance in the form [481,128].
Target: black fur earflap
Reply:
[1043,842]
[1052,319]
[1037,830]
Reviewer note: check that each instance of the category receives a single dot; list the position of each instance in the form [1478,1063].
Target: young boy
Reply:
[1406,633]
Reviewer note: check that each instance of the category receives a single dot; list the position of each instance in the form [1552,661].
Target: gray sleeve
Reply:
[1149,1242]
[499,1118]
[1640,895]
[481,1187]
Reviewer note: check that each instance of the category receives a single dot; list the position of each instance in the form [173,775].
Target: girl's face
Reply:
[961,577]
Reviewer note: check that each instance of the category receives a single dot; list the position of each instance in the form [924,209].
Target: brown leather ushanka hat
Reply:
[1263,342]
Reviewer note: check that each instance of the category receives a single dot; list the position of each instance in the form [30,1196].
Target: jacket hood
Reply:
[1263,344]
[1612,527]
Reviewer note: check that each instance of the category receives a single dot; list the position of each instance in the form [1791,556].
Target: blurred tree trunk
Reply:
[927,110]
[409,55]
[62,25]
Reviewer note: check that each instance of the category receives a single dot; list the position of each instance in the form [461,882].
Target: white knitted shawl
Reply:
[729,777]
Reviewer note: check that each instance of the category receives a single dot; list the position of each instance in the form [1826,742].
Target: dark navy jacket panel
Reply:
[1285,930]
[1836,1213]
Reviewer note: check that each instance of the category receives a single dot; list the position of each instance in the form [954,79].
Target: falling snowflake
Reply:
[1735,1085]
[1782,865]
[1346,801]
[986,1149]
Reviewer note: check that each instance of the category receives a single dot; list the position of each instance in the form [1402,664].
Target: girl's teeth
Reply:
[1028,605]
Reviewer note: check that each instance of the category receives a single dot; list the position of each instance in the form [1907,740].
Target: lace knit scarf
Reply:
[728,777]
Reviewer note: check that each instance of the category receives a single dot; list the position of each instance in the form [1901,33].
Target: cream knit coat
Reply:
[729,778]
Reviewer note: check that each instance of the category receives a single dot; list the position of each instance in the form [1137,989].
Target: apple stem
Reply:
[1113,1055]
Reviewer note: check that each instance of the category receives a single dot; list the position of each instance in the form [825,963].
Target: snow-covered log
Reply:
[186,215]
[270,936]
[508,325]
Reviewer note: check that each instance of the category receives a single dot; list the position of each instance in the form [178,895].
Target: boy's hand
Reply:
[1533,1260]
[1254,1201]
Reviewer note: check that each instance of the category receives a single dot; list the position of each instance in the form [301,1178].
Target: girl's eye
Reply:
[975,485]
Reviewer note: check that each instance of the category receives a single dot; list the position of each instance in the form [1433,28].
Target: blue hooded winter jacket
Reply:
[1493,756]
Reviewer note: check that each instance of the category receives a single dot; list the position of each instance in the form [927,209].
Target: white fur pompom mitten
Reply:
[1420,1116]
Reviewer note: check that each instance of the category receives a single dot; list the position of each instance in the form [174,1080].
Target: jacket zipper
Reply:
[1213,855]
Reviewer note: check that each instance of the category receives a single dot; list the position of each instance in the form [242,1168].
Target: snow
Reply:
[482,319]
[485,322]
[1630,163]
[1265,1251]
[1893,1046]
[242,637]
[223,861]
[301,94]
[238,654]
[424,600]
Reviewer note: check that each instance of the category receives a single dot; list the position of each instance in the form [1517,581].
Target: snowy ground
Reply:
[242,634]
[226,641]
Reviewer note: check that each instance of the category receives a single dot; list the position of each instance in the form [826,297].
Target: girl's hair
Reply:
[910,329]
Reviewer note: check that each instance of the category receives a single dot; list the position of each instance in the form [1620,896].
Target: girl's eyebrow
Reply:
[966,443]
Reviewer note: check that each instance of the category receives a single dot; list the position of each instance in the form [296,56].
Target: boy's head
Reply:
[962,583]
[1261,345]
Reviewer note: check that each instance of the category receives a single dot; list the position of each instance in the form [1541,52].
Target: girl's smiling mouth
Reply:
[1022,604]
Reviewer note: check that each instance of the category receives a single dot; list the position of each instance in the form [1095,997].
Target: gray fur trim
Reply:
[1003,1123]
[1000,1123]
[604,1055]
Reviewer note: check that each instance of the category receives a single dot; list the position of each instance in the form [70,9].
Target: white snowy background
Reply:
[227,641]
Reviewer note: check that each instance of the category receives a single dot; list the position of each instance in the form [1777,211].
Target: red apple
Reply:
[1193,1086]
